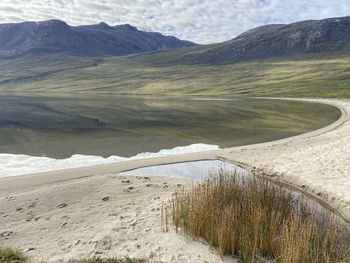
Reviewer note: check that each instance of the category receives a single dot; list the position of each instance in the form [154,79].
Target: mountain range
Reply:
[269,41]
[303,59]
[55,36]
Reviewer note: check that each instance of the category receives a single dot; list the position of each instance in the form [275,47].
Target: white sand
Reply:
[129,222]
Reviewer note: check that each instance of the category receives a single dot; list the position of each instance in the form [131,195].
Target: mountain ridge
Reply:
[277,41]
[263,42]
[53,36]
[268,60]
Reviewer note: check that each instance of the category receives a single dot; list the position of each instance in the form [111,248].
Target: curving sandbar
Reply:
[91,211]
[317,162]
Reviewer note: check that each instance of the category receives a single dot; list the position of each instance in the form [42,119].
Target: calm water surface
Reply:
[59,127]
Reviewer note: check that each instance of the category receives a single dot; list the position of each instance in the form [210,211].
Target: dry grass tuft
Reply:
[8,255]
[252,218]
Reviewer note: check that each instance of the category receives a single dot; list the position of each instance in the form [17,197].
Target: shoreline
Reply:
[41,178]
[266,166]
[31,213]
[127,165]
[332,102]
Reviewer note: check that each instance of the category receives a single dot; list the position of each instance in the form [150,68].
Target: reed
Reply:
[252,218]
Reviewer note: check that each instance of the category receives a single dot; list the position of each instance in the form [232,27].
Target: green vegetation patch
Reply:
[318,75]
[8,255]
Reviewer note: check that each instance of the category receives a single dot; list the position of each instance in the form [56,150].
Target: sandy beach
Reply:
[94,211]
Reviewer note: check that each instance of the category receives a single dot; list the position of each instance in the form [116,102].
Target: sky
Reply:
[201,21]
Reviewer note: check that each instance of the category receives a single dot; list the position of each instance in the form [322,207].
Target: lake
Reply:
[60,126]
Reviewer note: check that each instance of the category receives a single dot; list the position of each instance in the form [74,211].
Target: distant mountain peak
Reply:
[104,25]
[127,27]
[52,23]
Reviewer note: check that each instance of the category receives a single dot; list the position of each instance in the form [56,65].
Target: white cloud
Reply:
[202,21]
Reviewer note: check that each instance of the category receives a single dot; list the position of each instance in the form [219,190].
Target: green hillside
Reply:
[163,73]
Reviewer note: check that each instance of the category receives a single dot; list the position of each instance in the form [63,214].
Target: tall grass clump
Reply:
[253,218]
[8,255]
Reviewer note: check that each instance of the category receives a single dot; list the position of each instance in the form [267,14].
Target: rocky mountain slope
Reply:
[92,40]
[276,41]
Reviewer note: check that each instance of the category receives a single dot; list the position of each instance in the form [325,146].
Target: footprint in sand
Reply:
[126,181]
[10,198]
[126,219]
[32,205]
[6,234]
[104,244]
[105,198]
[63,205]
[130,189]
[30,218]
[153,185]
[182,258]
